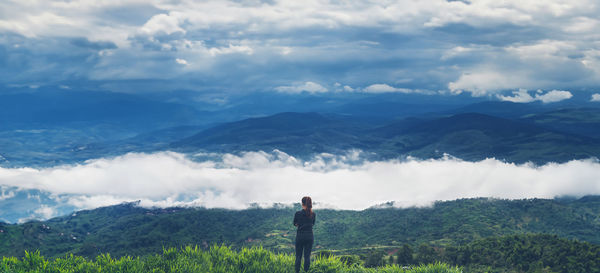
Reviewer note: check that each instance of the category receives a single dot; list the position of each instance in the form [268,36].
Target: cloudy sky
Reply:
[479,47]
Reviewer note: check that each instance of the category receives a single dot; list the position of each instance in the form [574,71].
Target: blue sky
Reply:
[233,47]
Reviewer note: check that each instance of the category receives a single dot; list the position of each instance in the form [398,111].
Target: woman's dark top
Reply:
[304,221]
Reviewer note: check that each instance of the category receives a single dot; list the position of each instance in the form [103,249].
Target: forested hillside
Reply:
[129,229]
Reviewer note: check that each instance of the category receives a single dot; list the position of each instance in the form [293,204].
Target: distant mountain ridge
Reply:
[474,136]
[294,133]
[470,136]
[54,127]
[583,121]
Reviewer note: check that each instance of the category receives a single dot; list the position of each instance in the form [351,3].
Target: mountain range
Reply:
[469,136]
[54,127]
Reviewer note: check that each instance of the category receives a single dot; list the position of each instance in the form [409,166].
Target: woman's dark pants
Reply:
[304,242]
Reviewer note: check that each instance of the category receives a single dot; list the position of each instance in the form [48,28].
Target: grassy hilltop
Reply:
[482,235]
[217,259]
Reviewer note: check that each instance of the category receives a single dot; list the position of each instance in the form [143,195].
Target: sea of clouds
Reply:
[238,181]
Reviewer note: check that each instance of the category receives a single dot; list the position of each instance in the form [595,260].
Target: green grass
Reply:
[217,259]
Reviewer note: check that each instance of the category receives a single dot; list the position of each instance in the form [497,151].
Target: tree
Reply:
[425,254]
[374,258]
[405,255]
[451,255]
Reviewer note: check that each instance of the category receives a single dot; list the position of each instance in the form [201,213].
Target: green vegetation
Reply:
[517,253]
[481,235]
[131,230]
[520,253]
[217,259]
[528,253]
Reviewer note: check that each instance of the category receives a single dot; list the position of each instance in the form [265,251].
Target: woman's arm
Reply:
[296,219]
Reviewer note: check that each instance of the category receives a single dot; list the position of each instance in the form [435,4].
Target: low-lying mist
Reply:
[237,181]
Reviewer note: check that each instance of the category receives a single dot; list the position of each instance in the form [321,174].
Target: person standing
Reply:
[304,219]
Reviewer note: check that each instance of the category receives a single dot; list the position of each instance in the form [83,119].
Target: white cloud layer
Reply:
[346,182]
[310,87]
[595,97]
[523,96]
[4,194]
[378,88]
[384,88]
[181,61]
[484,82]
[162,23]
[554,96]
